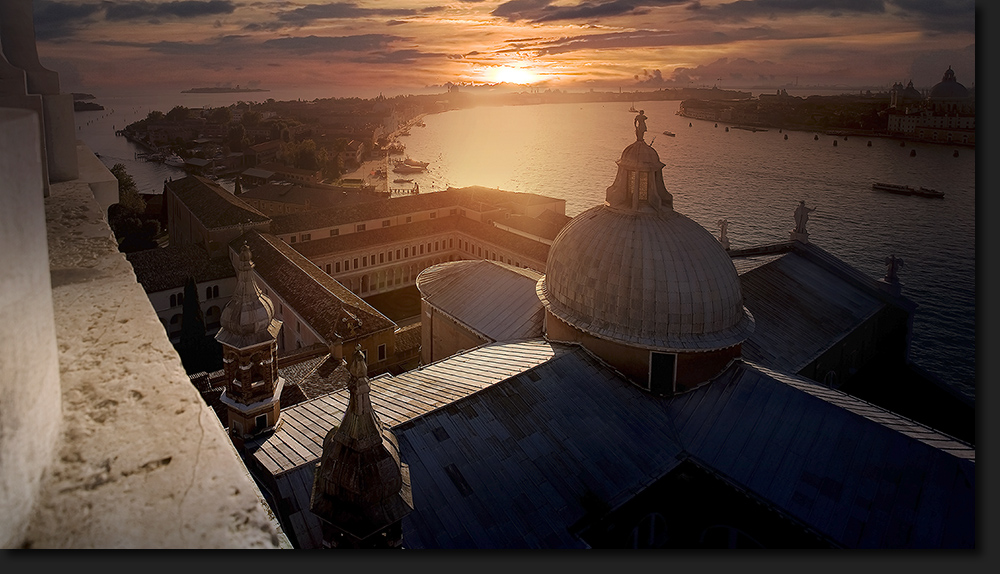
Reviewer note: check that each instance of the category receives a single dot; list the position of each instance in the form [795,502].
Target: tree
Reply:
[198,351]
[155,116]
[178,114]
[221,116]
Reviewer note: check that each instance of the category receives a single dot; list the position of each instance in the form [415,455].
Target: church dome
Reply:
[636,272]
[949,88]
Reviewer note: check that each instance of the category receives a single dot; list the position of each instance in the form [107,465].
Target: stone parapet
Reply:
[134,457]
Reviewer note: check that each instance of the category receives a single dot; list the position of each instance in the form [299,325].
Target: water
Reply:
[754,180]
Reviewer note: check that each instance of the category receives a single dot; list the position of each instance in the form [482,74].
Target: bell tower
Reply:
[249,338]
[362,489]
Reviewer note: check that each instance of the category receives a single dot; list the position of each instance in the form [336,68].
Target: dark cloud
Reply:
[337,10]
[318,44]
[546,11]
[54,20]
[117,11]
[941,15]
[745,9]
[395,57]
[396,22]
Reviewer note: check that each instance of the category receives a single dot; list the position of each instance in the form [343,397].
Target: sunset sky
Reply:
[412,46]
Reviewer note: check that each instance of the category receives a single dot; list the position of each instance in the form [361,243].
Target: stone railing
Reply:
[104,442]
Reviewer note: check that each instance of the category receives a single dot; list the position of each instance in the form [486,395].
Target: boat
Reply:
[413,163]
[928,192]
[174,160]
[669,133]
[632,109]
[403,168]
[894,188]
[401,180]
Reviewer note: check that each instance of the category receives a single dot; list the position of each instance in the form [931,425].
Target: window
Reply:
[385,223]
[662,372]
[334,232]
[650,532]
[381,352]
[397,255]
[480,251]
[336,267]
[643,186]
[208,292]
[381,257]
[421,248]
[435,246]
[260,423]
[451,243]
[306,236]
[180,298]
[433,214]
[293,239]
[406,252]
[453,212]
[215,291]
[409,219]
[327,268]
[364,261]
[173,300]
[462,213]
[355,262]
[360,227]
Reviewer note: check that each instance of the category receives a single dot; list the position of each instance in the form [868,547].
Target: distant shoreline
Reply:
[222,90]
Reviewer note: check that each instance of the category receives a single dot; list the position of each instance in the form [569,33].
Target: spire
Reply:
[639,184]
[248,317]
[362,489]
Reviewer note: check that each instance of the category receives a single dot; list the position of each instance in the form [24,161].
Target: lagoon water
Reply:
[754,180]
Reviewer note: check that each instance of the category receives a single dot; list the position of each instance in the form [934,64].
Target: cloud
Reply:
[395,57]
[318,44]
[941,15]
[337,10]
[54,20]
[539,11]
[118,11]
[741,10]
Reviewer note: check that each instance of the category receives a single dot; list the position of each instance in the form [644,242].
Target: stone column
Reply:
[17,39]
[31,403]
[14,94]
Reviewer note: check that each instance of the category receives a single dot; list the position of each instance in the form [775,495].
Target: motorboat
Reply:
[413,163]
[927,192]
[894,188]
[174,160]
[669,133]
[403,168]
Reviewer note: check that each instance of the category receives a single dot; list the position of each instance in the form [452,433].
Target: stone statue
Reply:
[894,264]
[359,365]
[723,227]
[801,217]
[640,125]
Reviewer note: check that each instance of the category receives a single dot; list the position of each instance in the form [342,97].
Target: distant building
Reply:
[946,115]
[201,212]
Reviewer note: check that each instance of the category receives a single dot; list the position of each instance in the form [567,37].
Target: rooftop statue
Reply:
[894,264]
[802,216]
[640,125]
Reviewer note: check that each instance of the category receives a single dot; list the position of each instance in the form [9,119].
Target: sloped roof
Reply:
[505,451]
[169,267]
[303,194]
[212,204]
[319,299]
[382,208]
[493,299]
[801,308]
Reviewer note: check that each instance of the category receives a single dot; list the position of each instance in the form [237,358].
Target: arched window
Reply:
[208,292]
[215,291]
[173,300]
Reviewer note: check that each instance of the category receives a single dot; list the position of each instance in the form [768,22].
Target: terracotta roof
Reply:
[169,267]
[408,337]
[268,145]
[212,204]
[452,197]
[286,192]
[279,168]
[383,235]
[534,225]
[322,302]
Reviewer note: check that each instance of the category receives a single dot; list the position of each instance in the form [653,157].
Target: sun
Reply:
[512,75]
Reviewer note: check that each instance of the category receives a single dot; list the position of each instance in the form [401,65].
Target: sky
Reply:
[419,46]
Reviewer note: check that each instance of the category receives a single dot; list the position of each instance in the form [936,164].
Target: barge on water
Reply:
[907,190]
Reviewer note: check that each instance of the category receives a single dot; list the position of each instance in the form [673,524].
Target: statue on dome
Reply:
[640,125]
[802,216]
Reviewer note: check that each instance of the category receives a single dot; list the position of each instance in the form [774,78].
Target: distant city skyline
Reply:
[414,46]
